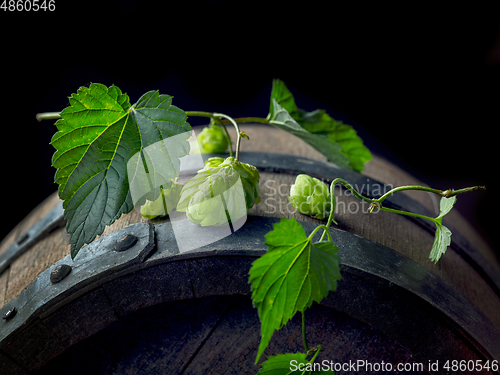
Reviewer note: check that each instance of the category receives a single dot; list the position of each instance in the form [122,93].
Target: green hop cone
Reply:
[156,208]
[214,161]
[310,196]
[220,193]
[212,140]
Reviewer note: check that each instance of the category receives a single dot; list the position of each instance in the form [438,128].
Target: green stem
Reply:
[332,212]
[199,114]
[318,349]
[228,138]
[407,187]
[451,193]
[306,347]
[407,213]
[240,120]
[443,193]
[220,116]
[48,116]
[377,202]
[248,120]
[165,209]
[238,139]
[354,191]
[226,134]
[318,228]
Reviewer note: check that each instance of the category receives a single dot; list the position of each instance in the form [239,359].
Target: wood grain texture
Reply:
[218,335]
[221,335]
[37,259]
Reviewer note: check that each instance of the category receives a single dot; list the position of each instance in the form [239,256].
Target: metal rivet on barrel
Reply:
[59,272]
[23,238]
[10,314]
[125,242]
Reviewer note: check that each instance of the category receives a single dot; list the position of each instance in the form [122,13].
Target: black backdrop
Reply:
[419,84]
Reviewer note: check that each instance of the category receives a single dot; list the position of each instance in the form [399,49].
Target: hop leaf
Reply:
[281,119]
[97,136]
[290,276]
[220,193]
[290,364]
[342,145]
[442,237]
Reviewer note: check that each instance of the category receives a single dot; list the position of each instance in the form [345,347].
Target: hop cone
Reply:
[156,208]
[310,196]
[212,140]
[220,193]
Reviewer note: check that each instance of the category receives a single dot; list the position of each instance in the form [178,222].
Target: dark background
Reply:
[419,84]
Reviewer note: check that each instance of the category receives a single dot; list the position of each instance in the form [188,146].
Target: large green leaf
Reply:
[320,122]
[284,98]
[290,276]
[350,152]
[280,118]
[97,136]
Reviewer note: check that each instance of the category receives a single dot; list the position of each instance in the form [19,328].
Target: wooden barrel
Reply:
[156,309]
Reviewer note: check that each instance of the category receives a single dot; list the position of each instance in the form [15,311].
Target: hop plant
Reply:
[212,140]
[165,202]
[222,192]
[310,196]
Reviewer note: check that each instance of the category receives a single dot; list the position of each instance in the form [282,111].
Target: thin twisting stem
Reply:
[237,132]
[406,213]
[443,193]
[378,202]
[408,187]
[330,217]
[354,191]
[219,116]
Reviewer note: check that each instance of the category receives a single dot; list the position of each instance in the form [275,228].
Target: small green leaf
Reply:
[445,205]
[441,242]
[442,237]
[319,122]
[290,276]
[97,136]
[291,364]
